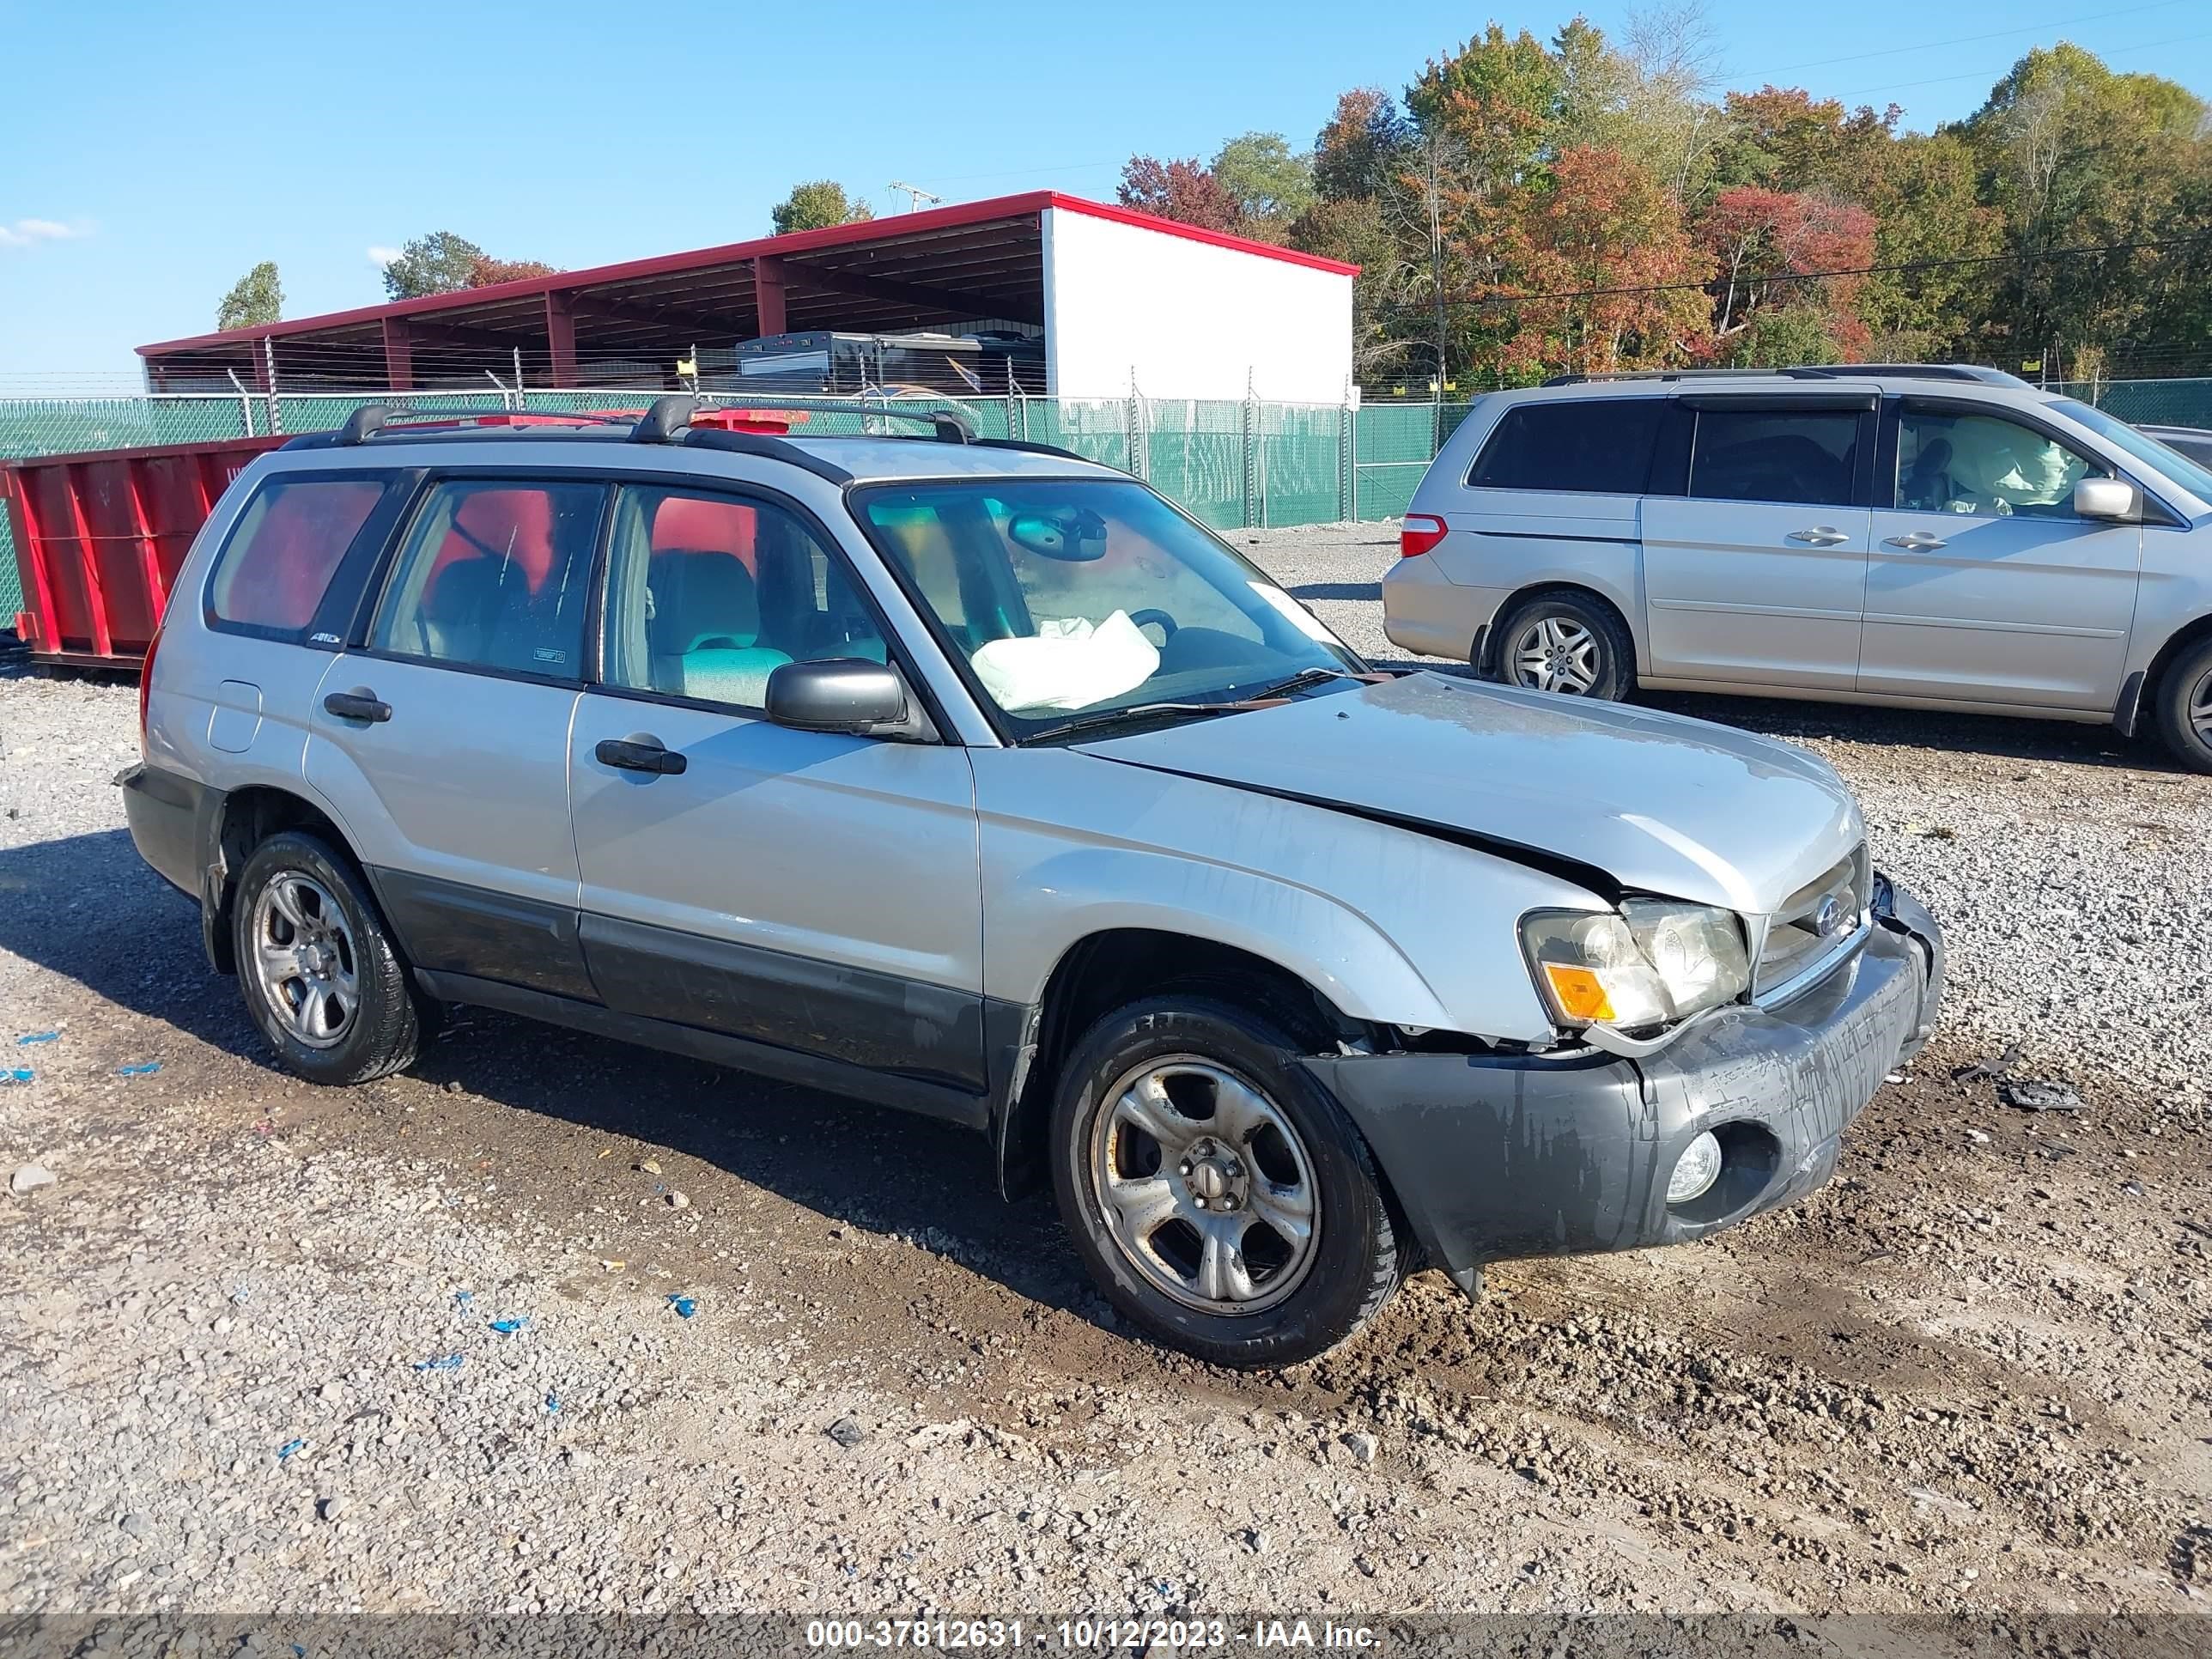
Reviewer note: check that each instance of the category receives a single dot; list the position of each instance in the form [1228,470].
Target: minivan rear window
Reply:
[280,559]
[1592,445]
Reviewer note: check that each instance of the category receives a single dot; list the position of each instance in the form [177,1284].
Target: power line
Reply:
[1968,40]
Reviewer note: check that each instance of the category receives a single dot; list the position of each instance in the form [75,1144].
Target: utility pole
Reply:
[916,196]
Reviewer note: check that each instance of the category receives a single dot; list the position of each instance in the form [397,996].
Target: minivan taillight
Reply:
[146,687]
[1418,533]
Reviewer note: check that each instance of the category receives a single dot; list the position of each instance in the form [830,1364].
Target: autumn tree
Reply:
[1607,242]
[1356,156]
[817,205]
[1784,139]
[1186,191]
[256,297]
[485,271]
[1765,244]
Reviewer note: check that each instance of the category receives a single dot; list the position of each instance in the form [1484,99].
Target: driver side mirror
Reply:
[2106,498]
[848,694]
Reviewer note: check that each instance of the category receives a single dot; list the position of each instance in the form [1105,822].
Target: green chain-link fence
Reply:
[1229,464]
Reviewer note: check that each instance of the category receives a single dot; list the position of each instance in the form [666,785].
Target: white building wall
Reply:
[1187,318]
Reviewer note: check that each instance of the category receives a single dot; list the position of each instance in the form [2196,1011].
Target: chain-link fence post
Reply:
[1132,428]
[1347,458]
[269,361]
[1251,424]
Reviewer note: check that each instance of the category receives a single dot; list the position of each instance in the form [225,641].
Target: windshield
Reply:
[2172,463]
[1071,599]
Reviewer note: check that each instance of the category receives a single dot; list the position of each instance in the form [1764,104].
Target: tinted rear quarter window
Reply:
[279,560]
[1595,446]
[1807,457]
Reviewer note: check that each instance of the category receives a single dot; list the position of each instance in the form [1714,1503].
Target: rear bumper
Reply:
[1496,1156]
[164,810]
[1425,610]
[175,823]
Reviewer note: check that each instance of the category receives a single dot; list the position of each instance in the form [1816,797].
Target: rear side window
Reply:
[496,576]
[279,560]
[1595,445]
[1803,457]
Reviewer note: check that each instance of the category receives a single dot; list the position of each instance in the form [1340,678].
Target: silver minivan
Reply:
[974,778]
[1923,537]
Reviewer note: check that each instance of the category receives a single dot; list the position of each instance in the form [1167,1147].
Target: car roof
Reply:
[1947,377]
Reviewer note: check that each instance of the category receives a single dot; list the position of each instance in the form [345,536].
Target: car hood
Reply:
[1658,803]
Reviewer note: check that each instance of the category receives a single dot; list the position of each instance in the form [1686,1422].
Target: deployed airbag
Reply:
[1068,663]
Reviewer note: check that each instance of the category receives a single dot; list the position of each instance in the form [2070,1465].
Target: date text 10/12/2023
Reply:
[1088,1635]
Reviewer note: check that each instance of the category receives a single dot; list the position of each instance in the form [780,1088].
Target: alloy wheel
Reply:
[1205,1185]
[1555,653]
[304,960]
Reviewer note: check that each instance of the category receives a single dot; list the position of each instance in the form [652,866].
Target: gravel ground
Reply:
[248,1360]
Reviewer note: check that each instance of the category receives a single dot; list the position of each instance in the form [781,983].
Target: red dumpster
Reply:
[99,536]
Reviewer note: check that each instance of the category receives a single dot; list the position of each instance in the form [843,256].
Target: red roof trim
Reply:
[798,241]
[1197,233]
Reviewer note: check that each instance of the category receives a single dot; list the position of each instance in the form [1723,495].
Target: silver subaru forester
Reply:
[975,778]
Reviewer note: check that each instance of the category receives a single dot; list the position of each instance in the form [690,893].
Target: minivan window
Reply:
[1983,465]
[709,595]
[1806,456]
[1593,445]
[2192,475]
[495,574]
[279,560]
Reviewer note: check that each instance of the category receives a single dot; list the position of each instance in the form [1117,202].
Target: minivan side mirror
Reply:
[2106,498]
[845,694]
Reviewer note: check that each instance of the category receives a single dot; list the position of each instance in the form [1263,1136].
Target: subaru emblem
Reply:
[1830,921]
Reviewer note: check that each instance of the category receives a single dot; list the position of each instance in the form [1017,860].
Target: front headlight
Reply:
[1653,963]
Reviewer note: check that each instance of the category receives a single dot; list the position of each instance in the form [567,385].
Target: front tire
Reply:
[2184,707]
[1569,644]
[1216,1193]
[319,974]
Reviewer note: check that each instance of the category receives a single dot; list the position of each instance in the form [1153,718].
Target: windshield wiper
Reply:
[1110,717]
[1299,681]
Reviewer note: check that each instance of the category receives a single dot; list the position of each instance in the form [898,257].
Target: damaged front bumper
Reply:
[1495,1156]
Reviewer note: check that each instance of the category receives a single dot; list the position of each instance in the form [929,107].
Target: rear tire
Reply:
[1243,1127]
[1565,643]
[319,973]
[2184,707]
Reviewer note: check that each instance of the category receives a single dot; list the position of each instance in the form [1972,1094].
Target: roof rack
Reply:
[1810,372]
[669,420]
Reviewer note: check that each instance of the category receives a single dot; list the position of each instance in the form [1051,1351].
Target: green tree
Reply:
[443,262]
[1929,215]
[256,297]
[439,263]
[817,205]
[1270,185]
[2078,157]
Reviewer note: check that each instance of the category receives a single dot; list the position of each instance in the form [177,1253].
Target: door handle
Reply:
[1918,542]
[1820,535]
[640,752]
[359,704]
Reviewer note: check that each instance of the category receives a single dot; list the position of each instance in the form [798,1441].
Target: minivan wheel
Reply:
[1216,1192]
[1560,642]
[319,972]
[2184,707]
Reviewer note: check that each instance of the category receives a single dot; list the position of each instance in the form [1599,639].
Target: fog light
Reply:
[1698,1168]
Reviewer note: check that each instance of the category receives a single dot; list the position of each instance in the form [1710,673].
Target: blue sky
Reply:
[156,151]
